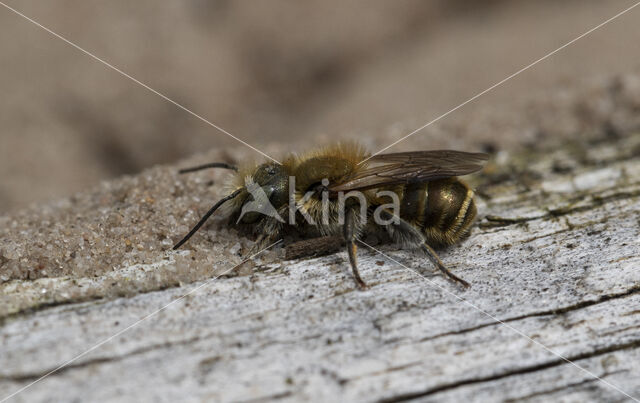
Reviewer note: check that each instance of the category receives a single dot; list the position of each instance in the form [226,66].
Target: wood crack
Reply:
[497,221]
[30,377]
[571,385]
[550,312]
[519,371]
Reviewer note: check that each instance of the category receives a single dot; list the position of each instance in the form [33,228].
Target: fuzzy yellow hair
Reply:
[333,162]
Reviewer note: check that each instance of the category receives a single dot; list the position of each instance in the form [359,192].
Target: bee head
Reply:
[266,192]
[274,180]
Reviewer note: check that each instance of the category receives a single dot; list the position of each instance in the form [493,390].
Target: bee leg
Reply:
[350,236]
[438,263]
[261,241]
[269,231]
[407,234]
[352,249]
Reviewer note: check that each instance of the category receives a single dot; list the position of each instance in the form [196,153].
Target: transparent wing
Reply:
[412,167]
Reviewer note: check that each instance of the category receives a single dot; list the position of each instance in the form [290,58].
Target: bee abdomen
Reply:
[448,212]
[413,202]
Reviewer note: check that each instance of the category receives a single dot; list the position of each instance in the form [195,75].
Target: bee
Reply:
[415,196]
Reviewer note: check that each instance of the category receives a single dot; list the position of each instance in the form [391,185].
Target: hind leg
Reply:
[438,263]
[408,235]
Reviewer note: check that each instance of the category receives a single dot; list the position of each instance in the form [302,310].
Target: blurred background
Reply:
[278,72]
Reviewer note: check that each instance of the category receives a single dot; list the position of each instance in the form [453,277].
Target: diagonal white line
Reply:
[166,98]
[517,331]
[108,339]
[501,82]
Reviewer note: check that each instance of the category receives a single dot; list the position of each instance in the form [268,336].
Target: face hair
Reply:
[206,217]
[209,165]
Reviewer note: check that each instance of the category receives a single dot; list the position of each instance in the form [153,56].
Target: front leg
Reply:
[350,235]
[269,231]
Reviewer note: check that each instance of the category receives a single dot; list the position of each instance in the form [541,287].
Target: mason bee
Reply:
[415,196]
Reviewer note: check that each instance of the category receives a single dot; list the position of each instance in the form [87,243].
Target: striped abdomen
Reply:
[443,209]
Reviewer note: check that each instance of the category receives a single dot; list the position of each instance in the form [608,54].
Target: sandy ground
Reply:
[297,73]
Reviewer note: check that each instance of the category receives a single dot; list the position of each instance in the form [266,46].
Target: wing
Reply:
[412,167]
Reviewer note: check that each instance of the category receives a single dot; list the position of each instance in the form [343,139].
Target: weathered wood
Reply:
[554,256]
